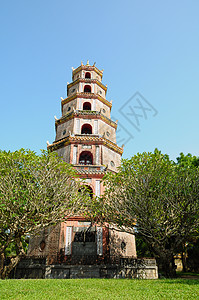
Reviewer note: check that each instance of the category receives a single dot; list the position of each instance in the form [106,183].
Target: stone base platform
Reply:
[147,269]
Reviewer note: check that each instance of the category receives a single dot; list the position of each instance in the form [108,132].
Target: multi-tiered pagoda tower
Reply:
[86,138]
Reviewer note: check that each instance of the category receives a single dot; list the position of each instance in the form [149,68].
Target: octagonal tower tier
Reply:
[85,134]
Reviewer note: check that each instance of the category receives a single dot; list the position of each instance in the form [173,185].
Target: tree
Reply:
[187,161]
[190,247]
[36,191]
[159,198]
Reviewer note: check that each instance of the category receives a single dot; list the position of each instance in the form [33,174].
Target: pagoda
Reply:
[85,138]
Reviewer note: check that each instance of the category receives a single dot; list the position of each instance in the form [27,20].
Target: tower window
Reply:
[88,75]
[42,245]
[123,246]
[86,129]
[86,158]
[87,89]
[88,189]
[84,236]
[87,106]
[112,164]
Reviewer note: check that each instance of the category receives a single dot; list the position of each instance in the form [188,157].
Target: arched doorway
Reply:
[87,106]
[88,75]
[86,129]
[86,158]
[87,189]
[87,89]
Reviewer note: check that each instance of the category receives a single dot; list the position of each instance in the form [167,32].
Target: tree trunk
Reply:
[184,258]
[6,269]
[168,266]
[2,260]
[13,262]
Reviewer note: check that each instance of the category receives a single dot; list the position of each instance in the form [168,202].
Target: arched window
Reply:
[87,106]
[88,75]
[88,189]
[86,129]
[87,89]
[86,158]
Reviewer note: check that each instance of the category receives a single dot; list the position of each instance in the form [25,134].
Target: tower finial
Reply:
[82,63]
[87,63]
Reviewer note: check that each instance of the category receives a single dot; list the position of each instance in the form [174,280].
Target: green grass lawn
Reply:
[99,289]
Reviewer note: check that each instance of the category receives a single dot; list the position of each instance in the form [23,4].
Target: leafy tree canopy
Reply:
[187,160]
[35,191]
[159,198]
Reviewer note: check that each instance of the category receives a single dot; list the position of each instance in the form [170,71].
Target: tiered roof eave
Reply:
[88,80]
[86,114]
[88,68]
[77,139]
[86,96]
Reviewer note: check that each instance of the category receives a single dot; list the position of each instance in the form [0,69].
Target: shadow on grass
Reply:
[181,281]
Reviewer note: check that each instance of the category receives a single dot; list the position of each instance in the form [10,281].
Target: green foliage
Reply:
[190,250]
[193,255]
[142,247]
[159,198]
[188,160]
[35,191]
[10,251]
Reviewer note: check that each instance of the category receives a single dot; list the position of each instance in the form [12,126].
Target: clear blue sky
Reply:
[147,46]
